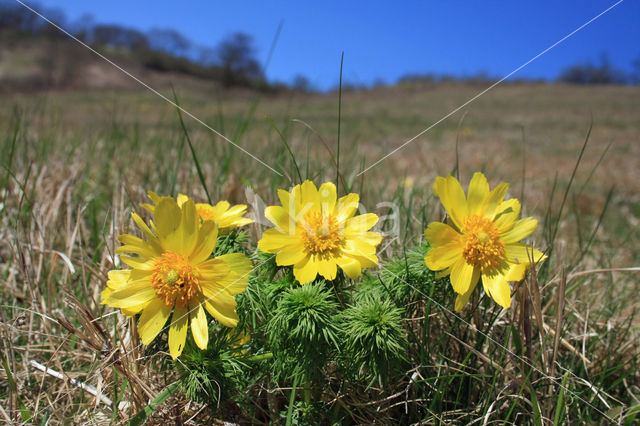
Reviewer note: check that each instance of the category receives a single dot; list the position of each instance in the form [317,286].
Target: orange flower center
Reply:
[482,245]
[206,212]
[320,233]
[174,280]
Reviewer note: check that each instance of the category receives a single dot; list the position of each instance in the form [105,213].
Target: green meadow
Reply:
[387,347]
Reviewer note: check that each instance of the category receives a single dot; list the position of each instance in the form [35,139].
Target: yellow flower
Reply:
[316,233]
[172,271]
[481,239]
[227,217]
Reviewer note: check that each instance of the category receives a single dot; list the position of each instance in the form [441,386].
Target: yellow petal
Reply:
[442,257]
[360,249]
[478,194]
[328,197]
[138,263]
[189,226]
[152,245]
[309,194]
[327,268]
[237,262]
[306,270]
[346,207]
[453,199]
[495,198]
[105,295]
[279,217]
[284,197]
[517,271]
[273,241]
[498,289]
[153,318]
[237,210]
[371,238]
[223,309]
[145,252]
[132,294]
[361,223]
[151,237]
[506,214]
[167,217]
[118,278]
[350,266]
[199,325]
[463,276]
[178,331]
[523,253]
[129,312]
[439,234]
[180,199]
[520,230]
[207,235]
[462,299]
[291,255]
[155,198]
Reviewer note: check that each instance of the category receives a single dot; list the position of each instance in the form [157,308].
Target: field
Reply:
[76,164]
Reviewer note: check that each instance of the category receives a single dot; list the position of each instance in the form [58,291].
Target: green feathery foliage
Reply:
[303,331]
[375,339]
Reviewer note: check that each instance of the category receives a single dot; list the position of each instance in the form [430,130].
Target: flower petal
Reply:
[167,217]
[463,276]
[310,196]
[439,234]
[360,224]
[178,331]
[222,308]
[462,299]
[327,268]
[442,257]
[495,198]
[306,270]
[520,230]
[279,217]
[291,255]
[207,235]
[132,294]
[151,237]
[152,320]
[478,194]
[506,214]
[273,241]
[523,253]
[453,199]
[328,196]
[350,266]
[199,325]
[497,287]
[346,207]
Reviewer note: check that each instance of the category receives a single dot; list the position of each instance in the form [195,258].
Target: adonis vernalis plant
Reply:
[172,272]
[481,239]
[226,217]
[316,232]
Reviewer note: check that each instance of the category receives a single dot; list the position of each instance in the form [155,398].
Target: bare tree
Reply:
[237,58]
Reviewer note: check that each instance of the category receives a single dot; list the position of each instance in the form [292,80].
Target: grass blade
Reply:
[153,405]
[339,121]
[557,418]
[284,141]
[193,152]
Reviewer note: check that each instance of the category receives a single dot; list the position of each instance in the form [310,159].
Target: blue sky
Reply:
[385,40]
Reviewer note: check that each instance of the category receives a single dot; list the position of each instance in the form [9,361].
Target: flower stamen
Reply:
[320,233]
[174,279]
[483,247]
